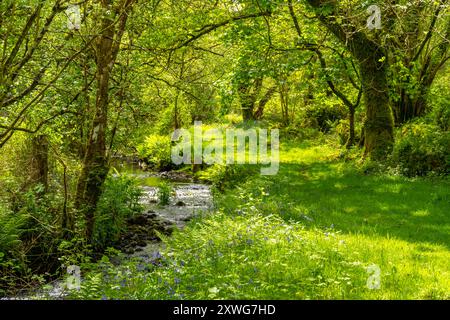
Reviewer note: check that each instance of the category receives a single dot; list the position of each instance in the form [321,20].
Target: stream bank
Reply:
[142,239]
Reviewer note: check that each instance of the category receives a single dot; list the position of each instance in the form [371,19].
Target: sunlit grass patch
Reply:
[255,256]
[317,230]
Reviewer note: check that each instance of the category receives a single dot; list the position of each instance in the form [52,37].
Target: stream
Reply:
[187,200]
[141,240]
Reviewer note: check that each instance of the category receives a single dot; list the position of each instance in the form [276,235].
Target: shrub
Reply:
[42,213]
[323,116]
[10,229]
[441,116]
[156,151]
[421,149]
[439,101]
[119,201]
[223,176]
[164,191]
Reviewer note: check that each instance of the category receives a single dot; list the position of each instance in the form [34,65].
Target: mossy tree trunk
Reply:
[371,57]
[379,125]
[95,166]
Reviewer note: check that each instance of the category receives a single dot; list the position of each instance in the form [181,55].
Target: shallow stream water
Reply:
[187,200]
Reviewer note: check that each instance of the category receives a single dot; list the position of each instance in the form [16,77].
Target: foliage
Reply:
[10,230]
[252,254]
[342,129]
[42,221]
[156,151]
[165,190]
[439,101]
[119,201]
[224,176]
[323,116]
[74,252]
[11,264]
[297,66]
[421,149]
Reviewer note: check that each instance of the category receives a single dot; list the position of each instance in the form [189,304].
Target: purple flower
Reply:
[156,255]
[177,280]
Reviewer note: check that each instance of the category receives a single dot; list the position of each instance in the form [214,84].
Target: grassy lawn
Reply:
[317,230]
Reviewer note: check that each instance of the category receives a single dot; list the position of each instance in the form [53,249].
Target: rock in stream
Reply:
[187,200]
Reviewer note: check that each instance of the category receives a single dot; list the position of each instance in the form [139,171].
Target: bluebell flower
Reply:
[156,255]
[177,280]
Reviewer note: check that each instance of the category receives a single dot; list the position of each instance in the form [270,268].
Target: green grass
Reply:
[310,232]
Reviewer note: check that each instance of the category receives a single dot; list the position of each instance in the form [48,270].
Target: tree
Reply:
[114,16]
[371,58]
[418,48]
[26,72]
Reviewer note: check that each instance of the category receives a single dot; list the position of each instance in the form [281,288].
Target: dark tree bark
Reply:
[263,102]
[249,93]
[39,161]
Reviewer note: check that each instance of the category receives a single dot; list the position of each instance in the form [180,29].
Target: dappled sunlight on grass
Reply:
[359,203]
[251,255]
[401,223]
[314,231]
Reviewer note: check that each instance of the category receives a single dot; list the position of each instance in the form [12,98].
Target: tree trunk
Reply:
[379,126]
[95,166]
[39,161]
[351,120]
[409,108]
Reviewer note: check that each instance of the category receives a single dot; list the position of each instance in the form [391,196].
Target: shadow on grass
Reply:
[415,210]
